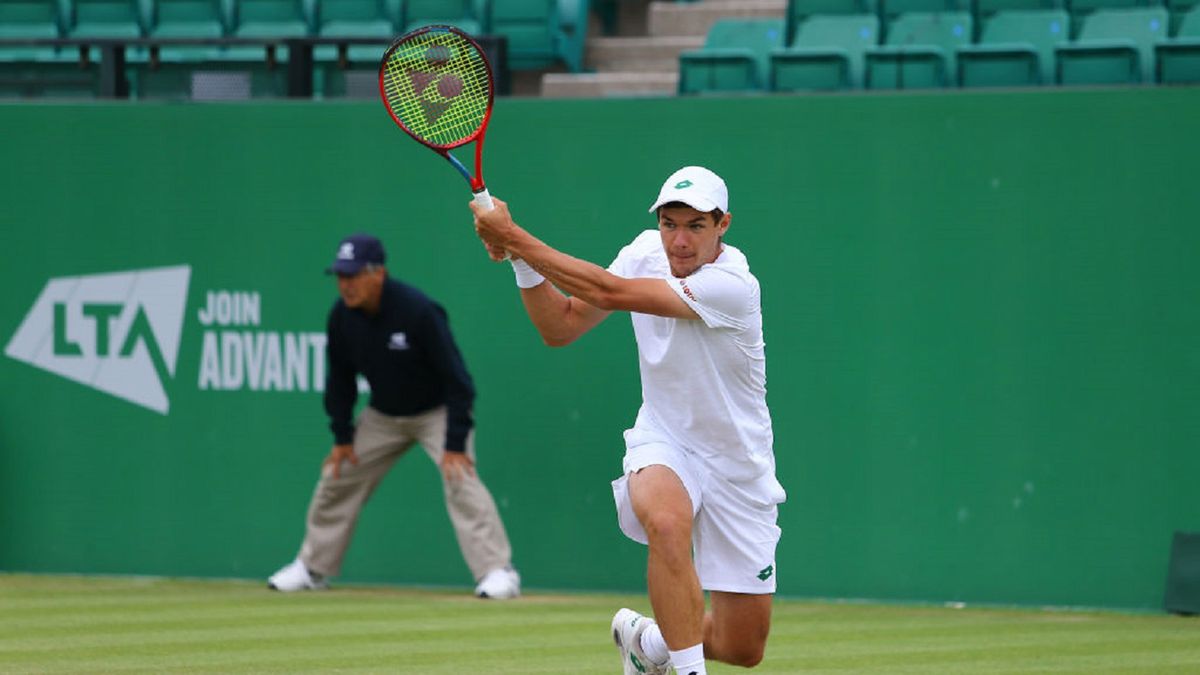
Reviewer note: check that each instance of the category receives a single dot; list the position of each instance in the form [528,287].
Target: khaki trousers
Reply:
[379,440]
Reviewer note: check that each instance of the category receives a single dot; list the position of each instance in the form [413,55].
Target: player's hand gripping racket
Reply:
[437,85]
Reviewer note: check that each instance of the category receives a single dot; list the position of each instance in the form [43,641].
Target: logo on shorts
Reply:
[766,572]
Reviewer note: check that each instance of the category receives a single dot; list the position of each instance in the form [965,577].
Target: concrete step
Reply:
[686,18]
[650,54]
[599,85]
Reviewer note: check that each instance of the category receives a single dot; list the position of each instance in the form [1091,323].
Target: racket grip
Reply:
[484,198]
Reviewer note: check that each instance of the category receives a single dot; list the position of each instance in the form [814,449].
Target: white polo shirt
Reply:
[703,382]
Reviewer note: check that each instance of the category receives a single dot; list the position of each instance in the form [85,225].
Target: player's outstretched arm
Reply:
[593,291]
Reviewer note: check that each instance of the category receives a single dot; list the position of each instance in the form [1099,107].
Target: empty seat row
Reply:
[539,33]
[799,10]
[935,49]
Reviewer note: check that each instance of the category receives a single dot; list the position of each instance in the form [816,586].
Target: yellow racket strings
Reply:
[437,84]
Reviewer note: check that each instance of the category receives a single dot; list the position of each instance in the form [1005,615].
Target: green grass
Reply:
[58,624]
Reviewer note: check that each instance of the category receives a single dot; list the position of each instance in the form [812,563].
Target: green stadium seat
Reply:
[799,10]
[919,51]
[986,8]
[1178,10]
[531,28]
[890,10]
[29,19]
[735,57]
[1016,49]
[271,18]
[468,15]
[186,19]
[574,17]
[105,19]
[354,18]
[351,72]
[826,54]
[1081,9]
[1179,60]
[266,19]
[1114,46]
[34,72]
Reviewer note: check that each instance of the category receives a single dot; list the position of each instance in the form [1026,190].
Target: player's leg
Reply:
[481,536]
[736,537]
[736,629]
[664,509]
[336,503]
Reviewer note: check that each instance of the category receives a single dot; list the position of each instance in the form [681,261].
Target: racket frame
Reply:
[475,181]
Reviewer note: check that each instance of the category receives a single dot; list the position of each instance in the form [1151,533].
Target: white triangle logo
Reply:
[118,333]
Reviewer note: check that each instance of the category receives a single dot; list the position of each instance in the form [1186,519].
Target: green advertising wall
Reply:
[981,321]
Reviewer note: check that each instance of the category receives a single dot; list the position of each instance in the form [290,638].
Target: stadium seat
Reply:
[28,72]
[29,19]
[186,19]
[266,19]
[826,54]
[1081,9]
[735,57]
[799,10]
[1015,49]
[534,33]
[271,18]
[468,15]
[351,72]
[354,18]
[890,10]
[1178,10]
[1114,46]
[1179,60]
[919,51]
[104,18]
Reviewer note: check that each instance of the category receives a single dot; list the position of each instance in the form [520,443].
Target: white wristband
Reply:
[527,277]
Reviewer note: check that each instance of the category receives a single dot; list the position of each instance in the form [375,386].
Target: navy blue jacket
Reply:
[408,356]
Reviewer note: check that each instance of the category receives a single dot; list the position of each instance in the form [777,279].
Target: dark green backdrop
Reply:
[981,321]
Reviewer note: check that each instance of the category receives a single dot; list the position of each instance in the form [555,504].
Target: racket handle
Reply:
[484,199]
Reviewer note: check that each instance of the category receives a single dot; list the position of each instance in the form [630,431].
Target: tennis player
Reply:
[699,467]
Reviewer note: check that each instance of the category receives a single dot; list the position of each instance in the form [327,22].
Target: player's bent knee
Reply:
[745,656]
[667,529]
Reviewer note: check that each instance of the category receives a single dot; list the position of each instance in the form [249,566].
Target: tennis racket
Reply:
[437,85]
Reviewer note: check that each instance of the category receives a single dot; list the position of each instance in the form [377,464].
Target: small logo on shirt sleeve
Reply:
[398,341]
[687,291]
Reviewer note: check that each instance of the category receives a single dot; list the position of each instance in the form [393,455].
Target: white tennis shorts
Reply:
[734,534]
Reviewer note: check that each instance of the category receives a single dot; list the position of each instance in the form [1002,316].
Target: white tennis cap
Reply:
[695,186]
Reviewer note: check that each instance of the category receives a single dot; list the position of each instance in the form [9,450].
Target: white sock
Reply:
[654,646]
[689,661]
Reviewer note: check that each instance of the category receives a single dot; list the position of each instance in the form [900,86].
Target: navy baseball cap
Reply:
[356,252]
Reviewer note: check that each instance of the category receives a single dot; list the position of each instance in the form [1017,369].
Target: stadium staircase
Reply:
[642,58]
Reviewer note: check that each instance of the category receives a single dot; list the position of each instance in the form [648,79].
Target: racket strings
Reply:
[438,85]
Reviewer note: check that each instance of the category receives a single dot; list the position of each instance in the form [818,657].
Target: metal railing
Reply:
[299,62]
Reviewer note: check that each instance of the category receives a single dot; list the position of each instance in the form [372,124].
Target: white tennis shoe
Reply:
[627,629]
[294,576]
[501,583]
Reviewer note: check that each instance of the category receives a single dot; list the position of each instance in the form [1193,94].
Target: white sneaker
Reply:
[294,576]
[627,629]
[501,583]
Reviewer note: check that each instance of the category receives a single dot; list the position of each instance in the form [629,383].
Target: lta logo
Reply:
[118,333]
